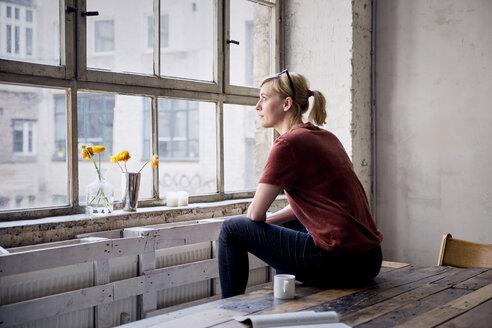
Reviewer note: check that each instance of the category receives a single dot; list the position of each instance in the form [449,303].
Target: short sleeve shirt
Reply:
[314,170]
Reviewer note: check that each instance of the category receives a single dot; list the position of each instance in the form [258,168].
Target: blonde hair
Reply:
[281,86]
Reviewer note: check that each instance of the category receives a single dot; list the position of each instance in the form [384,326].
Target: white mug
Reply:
[284,286]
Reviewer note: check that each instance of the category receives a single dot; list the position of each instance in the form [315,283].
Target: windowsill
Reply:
[59,228]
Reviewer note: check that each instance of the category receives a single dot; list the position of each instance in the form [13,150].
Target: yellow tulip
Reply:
[99,149]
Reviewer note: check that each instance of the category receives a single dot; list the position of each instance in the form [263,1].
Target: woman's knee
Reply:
[232,225]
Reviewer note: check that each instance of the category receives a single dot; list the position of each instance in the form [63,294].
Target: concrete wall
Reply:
[329,41]
[434,125]
[318,43]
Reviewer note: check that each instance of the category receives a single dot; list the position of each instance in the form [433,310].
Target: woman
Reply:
[326,236]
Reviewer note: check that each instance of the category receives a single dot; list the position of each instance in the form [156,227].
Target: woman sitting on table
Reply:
[326,236]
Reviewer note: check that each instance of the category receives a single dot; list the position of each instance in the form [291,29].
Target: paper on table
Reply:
[292,319]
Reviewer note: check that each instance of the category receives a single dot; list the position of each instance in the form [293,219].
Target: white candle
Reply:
[172,198]
[182,198]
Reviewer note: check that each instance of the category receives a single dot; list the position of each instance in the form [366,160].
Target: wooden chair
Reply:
[464,254]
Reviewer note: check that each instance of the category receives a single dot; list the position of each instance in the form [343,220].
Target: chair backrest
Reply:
[464,254]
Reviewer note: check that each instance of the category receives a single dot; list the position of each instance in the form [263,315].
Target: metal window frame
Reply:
[73,76]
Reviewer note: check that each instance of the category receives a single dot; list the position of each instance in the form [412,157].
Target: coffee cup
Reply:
[284,286]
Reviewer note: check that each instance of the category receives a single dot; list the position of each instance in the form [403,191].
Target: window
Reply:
[22,22]
[17,22]
[178,129]
[60,128]
[23,137]
[103,36]
[164,31]
[29,175]
[191,100]
[95,120]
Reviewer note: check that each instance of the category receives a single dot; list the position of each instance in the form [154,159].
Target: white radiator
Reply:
[20,287]
[25,286]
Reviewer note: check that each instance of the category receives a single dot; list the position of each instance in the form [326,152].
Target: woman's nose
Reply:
[258,105]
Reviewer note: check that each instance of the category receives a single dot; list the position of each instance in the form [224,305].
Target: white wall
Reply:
[434,125]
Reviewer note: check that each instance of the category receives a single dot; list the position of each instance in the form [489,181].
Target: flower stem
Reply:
[143,166]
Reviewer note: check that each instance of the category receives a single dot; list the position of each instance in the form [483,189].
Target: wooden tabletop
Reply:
[401,296]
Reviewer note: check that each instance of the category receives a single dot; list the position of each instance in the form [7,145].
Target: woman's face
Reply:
[270,107]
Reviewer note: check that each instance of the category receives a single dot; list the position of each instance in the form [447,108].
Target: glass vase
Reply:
[100,197]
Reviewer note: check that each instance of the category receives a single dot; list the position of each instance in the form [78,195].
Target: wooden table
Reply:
[401,296]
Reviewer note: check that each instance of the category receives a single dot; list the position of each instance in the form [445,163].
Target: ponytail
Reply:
[318,110]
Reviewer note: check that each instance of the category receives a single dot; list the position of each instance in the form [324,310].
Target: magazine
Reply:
[304,319]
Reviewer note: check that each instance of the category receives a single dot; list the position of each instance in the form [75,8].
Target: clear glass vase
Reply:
[100,197]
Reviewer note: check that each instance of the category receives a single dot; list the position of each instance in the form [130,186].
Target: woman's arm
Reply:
[284,215]
[264,196]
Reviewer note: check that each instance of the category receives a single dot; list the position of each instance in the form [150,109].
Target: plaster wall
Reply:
[318,43]
[433,125]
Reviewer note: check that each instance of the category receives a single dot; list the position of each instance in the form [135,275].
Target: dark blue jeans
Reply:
[288,249]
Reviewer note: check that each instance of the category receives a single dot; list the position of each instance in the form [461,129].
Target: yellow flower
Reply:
[155,161]
[99,149]
[85,153]
[123,156]
[89,150]
[114,159]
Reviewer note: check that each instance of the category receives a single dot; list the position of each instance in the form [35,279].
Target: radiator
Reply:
[31,285]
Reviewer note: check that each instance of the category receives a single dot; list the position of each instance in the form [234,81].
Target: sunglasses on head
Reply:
[290,81]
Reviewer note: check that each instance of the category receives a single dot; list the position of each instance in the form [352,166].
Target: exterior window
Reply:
[104,36]
[60,127]
[4,202]
[23,137]
[17,25]
[164,31]
[95,120]
[178,129]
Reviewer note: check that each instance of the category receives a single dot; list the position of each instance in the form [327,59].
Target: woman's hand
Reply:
[284,215]
[264,196]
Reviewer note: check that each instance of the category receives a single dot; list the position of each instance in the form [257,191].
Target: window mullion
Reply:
[72,148]
[157,37]
[155,145]
[219,59]
[226,49]
[81,48]
[220,147]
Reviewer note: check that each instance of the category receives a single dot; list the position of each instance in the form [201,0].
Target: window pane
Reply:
[246,147]
[29,173]
[117,123]
[117,40]
[28,31]
[187,146]
[189,26]
[251,25]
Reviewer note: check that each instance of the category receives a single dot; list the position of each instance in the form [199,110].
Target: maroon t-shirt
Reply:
[314,170]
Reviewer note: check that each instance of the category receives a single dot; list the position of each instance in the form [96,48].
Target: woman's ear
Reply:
[288,102]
